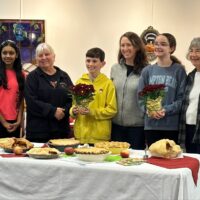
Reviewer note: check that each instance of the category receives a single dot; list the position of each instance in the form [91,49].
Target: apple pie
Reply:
[91,150]
[64,142]
[114,147]
[10,143]
[112,144]
[43,151]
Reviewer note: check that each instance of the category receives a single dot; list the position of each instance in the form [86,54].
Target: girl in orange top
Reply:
[11,90]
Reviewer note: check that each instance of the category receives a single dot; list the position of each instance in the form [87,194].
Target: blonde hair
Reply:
[195,43]
[43,46]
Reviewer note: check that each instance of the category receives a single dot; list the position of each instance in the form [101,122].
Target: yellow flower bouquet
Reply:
[152,96]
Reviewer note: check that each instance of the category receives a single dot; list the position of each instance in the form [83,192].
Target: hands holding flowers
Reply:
[152,96]
[82,95]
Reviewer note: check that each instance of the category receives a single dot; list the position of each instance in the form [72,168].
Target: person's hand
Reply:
[7,125]
[60,113]
[84,111]
[156,114]
[13,127]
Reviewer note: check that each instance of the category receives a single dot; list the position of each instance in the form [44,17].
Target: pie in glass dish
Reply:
[61,144]
[114,147]
[92,154]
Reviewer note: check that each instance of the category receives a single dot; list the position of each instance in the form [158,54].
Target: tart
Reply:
[114,147]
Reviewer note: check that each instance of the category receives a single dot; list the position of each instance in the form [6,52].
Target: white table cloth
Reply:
[26,178]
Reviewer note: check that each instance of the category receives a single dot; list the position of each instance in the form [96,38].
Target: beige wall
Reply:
[73,26]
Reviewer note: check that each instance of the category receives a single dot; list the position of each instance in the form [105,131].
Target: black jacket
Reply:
[42,99]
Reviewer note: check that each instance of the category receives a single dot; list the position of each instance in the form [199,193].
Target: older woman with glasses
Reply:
[11,90]
[190,114]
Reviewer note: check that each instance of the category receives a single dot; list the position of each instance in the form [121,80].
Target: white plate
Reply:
[92,157]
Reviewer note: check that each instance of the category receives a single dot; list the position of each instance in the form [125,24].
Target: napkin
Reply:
[185,162]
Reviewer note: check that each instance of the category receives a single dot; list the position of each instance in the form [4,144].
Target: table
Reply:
[70,179]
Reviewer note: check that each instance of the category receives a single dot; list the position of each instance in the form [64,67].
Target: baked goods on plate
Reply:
[60,144]
[43,153]
[131,161]
[92,154]
[165,148]
[8,144]
[113,147]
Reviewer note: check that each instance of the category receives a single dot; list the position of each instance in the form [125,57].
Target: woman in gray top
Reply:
[128,124]
[168,71]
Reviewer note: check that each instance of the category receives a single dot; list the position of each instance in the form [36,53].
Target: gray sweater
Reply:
[174,78]
[129,113]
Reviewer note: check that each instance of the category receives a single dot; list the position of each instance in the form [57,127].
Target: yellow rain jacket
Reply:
[96,126]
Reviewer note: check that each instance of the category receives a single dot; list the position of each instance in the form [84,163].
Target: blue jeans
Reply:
[133,135]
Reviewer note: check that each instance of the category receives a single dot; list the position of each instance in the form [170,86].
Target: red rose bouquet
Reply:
[152,96]
[82,94]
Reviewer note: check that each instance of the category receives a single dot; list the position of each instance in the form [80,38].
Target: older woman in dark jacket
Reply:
[48,99]
[190,115]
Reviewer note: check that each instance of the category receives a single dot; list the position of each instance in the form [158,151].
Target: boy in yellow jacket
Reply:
[93,124]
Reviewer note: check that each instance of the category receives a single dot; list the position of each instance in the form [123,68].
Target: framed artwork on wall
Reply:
[26,33]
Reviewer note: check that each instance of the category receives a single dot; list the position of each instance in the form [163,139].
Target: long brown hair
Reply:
[140,60]
[172,43]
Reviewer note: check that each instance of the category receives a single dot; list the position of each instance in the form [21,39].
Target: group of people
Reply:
[115,112]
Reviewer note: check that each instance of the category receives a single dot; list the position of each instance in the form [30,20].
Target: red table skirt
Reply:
[185,162]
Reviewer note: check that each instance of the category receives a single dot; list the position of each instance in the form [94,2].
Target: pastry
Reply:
[113,147]
[10,143]
[43,151]
[112,144]
[165,148]
[6,142]
[64,142]
[91,150]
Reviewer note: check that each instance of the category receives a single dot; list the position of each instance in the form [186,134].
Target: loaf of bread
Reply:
[165,148]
